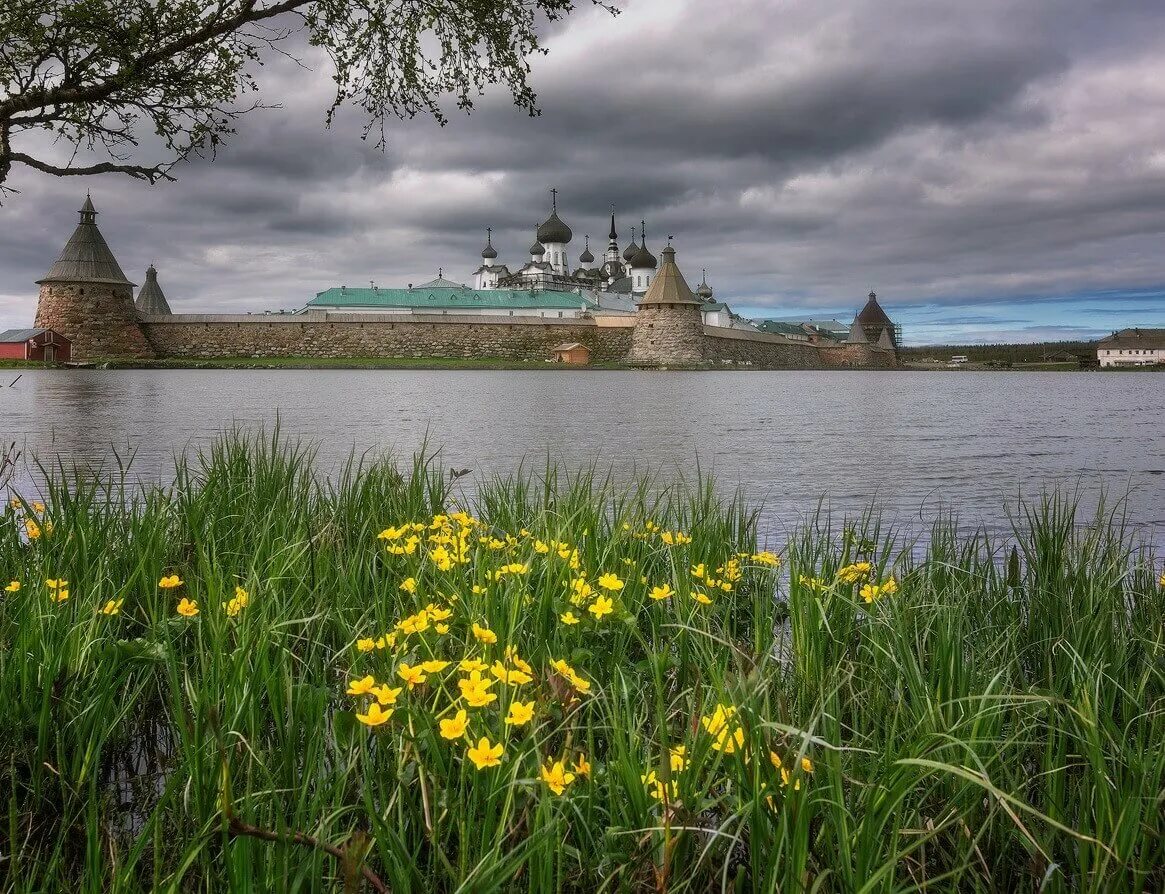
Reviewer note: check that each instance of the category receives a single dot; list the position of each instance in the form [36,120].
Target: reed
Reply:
[854,712]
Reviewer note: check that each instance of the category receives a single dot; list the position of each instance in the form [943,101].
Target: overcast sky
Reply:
[994,169]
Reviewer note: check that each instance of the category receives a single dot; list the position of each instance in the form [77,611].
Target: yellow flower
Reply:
[610,582]
[806,765]
[409,585]
[540,547]
[188,608]
[581,765]
[366,644]
[601,606]
[441,629]
[851,574]
[475,690]
[767,558]
[454,727]
[775,759]
[678,758]
[414,623]
[112,607]
[556,777]
[664,592]
[32,529]
[37,506]
[698,571]
[434,666]
[701,597]
[582,590]
[59,595]
[729,740]
[484,754]
[170,582]
[520,713]
[376,715]
[414,676]
[786,776]
[437,612]
[362,687]
[54,583]
[384,694]
[484,634]
[14,587]
[469,665]
[568,618]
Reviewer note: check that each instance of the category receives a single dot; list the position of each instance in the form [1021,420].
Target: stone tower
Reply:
[669,327]
[87,298]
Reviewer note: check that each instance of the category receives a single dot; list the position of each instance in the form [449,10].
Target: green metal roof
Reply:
[421,299]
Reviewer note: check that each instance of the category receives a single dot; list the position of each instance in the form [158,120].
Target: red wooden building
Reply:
[34,344]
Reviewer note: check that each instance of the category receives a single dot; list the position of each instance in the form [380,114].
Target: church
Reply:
[543,286]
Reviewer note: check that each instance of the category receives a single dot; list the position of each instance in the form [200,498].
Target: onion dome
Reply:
[151,299]
[586,257]
[86,257]
[642,257]
[489,252]
[554,230]
[629,251]
[537,250]
[703,289]
[872,314]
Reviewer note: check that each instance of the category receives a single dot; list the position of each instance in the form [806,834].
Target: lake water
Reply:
[917,443]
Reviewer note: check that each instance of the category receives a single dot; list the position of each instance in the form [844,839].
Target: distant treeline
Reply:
[1039,352]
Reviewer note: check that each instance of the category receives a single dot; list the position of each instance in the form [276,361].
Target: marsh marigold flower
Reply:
[59,595]
[188,608]
[664,592]
[581,765]
[851,574]
[413,676]
[701,597]
[484,634]
[434,666]
[376,715]
[362,687]
[170,581]
[556,777]
[54,583]
[469,665]
[409,585]
[610,582]
[367,644]
[484,754]
[13,587]
[568,618]
[384,694]
[601,606]
[520,713]
[454,727]
[31,529]
[112,607]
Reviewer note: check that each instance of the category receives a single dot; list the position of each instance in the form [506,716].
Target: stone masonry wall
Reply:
[366,335]
[768,351]
[98,319]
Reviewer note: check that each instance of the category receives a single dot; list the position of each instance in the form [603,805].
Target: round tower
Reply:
[669,326]
[87,298]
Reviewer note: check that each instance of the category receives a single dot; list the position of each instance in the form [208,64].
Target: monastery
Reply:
[632,308]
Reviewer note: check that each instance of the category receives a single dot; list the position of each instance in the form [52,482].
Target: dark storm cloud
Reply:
[803,152]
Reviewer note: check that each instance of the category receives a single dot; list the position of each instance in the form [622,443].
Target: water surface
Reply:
[918,442]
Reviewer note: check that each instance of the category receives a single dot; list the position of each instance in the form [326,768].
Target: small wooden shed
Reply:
[34,344]
[572,352]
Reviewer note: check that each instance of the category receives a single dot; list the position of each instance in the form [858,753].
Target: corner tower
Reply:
[87,298]
[669,327]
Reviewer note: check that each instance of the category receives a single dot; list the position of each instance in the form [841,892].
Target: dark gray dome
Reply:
[554,230]
[704,290]
[643,258]
[586,257]
[629,251]
[489,252]
[537,249]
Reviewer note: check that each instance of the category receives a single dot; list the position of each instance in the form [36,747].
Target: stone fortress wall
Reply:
[209,336]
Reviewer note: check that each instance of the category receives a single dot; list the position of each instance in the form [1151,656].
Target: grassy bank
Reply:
[195,682]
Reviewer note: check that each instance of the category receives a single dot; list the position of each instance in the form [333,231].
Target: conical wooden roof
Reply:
[151,300]
[86,256]
[872,314]
[669,286]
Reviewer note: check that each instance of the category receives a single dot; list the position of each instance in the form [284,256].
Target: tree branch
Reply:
[238,827]
[153,175]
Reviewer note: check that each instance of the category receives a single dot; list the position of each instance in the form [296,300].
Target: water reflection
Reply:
[919,443]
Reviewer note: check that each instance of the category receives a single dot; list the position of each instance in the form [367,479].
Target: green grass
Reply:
[995,724]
